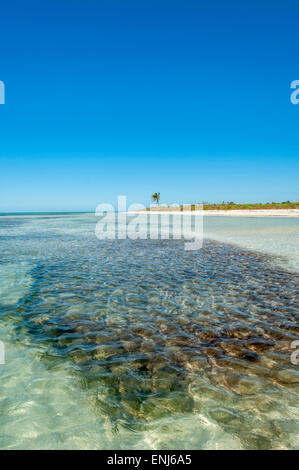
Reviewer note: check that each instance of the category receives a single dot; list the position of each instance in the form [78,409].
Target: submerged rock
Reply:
[226,416]
[288,376]
[243,385]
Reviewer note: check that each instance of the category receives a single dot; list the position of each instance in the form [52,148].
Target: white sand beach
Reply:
[228,213]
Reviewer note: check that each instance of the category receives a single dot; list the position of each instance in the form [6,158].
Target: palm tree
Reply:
[156,197]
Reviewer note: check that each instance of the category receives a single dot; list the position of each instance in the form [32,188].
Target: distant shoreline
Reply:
[293,213]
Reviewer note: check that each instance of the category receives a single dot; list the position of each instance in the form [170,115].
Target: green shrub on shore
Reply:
[234,206]
[230,206]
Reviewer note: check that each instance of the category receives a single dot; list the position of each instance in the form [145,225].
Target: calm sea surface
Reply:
[117,344]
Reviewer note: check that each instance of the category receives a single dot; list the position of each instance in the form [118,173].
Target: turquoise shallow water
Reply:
[141,344]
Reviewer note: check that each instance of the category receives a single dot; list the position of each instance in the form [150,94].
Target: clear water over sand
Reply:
[140,344]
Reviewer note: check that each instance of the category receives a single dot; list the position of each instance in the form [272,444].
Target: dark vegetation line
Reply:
[268,205]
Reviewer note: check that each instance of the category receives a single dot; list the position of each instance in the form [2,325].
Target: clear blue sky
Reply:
[109,97]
